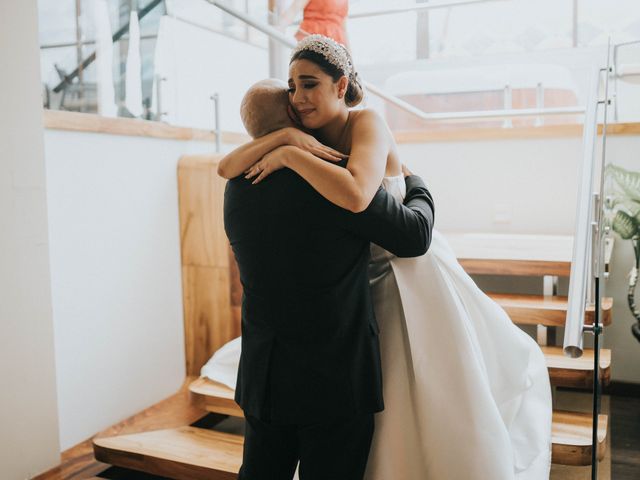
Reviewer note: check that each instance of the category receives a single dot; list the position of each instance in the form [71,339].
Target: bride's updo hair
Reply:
[334,59]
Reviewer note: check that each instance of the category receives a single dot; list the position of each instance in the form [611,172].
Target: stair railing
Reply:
[591,239]
[580,285]
[588,257]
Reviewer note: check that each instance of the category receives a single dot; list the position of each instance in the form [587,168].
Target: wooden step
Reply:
[571,436]
[500,254]
[576,372]
[563,371]
[541,310]
[571,430]
[190,453]
[184,453]
[214,397]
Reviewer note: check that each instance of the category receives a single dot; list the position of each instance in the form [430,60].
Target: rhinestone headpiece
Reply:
[335,53]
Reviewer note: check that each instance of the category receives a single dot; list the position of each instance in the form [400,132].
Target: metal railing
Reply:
[579,284]
[588,246]
[590,242]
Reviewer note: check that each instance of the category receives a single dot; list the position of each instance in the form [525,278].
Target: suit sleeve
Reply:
[403,229]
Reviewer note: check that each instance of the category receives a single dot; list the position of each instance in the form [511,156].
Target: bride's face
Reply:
[315,97]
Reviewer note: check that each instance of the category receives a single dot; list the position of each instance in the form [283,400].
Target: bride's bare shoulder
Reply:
[366,114]
[368,119]
[374,123]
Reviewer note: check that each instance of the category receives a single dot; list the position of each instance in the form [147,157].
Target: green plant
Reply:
[623,216]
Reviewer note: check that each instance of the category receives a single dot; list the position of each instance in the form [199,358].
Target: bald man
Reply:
[264,107]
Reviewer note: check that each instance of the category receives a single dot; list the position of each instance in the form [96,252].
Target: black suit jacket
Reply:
[309,336]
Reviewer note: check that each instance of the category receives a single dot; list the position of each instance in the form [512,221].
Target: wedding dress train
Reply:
[466,392]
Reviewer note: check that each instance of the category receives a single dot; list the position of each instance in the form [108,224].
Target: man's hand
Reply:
[405,171]
[308,143]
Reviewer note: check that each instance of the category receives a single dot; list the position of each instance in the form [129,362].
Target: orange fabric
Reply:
[325,17]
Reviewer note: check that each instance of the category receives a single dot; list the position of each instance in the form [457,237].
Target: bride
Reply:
[467,393]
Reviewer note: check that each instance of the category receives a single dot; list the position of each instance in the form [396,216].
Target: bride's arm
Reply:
[352,188]
[239,160]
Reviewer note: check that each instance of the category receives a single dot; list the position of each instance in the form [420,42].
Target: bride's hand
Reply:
[307,142]
[271,162]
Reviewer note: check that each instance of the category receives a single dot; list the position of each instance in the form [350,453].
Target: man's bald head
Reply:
[264,107]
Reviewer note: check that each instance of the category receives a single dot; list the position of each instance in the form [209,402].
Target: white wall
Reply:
[28,414]
[115,275]
[477,185]
[530,182]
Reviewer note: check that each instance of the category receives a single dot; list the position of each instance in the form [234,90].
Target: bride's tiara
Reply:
[335,53]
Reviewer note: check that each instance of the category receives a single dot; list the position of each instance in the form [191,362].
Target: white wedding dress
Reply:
[466,392]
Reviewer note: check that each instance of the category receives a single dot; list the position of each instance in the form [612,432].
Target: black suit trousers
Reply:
[335,449]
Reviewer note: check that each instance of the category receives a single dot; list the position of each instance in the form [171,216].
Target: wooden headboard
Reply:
[211,288]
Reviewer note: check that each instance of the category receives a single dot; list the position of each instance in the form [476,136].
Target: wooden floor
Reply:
[622,461]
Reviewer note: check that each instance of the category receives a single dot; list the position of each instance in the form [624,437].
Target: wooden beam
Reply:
[209,297]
